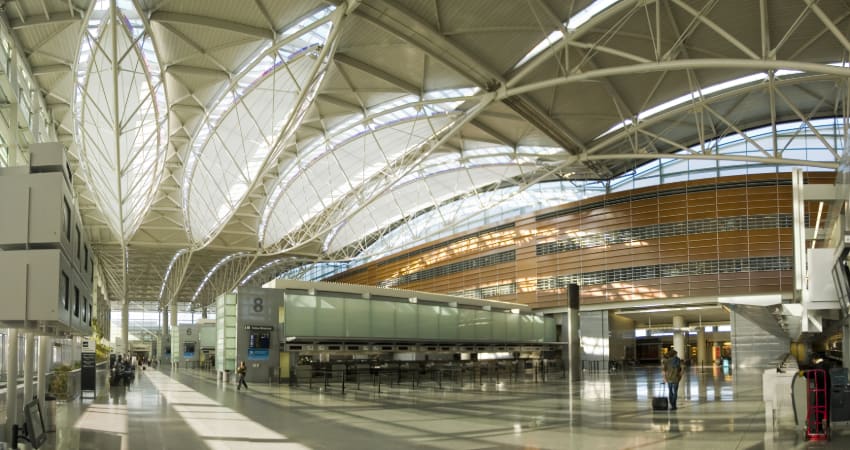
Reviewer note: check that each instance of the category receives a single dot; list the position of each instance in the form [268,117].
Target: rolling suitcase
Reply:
[660,403]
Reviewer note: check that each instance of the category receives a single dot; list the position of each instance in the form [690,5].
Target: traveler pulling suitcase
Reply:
[660,403]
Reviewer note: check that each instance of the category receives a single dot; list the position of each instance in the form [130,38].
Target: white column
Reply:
[125,325]
[701,356]
[163,335]
[29,364]
[43,366]
[173,331]
[12,381]
[679,336]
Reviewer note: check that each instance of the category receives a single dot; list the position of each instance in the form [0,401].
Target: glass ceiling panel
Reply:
[243,129]
[796,139]
[121,120]
[407,199]
[466,213]
[334,169]
[574,23]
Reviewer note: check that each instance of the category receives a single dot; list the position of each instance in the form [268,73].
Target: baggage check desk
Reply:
[271,328]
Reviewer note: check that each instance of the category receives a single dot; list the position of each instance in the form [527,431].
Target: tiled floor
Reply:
[191,410]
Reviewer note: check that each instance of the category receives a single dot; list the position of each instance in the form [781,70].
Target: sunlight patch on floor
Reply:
[220,427]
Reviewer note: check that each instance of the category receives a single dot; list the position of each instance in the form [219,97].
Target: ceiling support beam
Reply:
[714,157]
[405,25]
[690,64]
[342,58]
[49,69]
[217,24]
[54,19]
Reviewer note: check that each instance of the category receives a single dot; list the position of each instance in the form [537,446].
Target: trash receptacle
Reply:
[49,413]
[227,376]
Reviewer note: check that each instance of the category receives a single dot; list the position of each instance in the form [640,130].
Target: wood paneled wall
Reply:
[686,202]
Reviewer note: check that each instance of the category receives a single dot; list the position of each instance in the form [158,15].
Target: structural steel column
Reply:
[573,334]
[11,381]
[798,230]
[163,335]
[43,367]
[29,364]
[173,330]
[679,336]
[125,325]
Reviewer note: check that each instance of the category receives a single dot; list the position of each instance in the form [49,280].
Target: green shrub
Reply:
[59,384]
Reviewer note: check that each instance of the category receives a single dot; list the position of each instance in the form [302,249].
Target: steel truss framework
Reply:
[530,92]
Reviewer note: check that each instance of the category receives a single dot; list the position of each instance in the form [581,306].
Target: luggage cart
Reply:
[817,420]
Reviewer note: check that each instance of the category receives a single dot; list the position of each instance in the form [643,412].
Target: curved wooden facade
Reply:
[722,236]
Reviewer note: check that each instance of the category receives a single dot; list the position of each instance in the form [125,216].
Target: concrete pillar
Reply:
[12,383]
[29,364]
[679,336]
[572,333]
[43,367]
[701,356]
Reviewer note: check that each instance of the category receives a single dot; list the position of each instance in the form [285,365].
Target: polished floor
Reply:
[189,409]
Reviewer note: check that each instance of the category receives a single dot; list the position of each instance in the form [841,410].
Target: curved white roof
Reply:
[305,128]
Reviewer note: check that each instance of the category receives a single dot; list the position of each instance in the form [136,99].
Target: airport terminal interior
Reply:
[477,224]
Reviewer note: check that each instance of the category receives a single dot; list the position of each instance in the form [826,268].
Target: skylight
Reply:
[120,103]
[574,23]
[351,159]
[249,122]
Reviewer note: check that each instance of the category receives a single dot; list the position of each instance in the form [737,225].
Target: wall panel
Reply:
[689,228]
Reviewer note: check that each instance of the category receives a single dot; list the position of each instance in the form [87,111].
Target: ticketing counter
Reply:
[269,328]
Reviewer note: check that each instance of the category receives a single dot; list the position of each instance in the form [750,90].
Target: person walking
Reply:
[673,370]
[240,372]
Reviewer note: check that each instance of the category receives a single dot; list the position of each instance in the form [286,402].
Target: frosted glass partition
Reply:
[330,316]
[538,327]
[513,328]
[326,316]
[483,325]
[466,325]
[225,344]
[448,323]
[549,331]
[406,320]
[383,319]
[500,326]
[300,311]
[429,321]
[526,328]
[358,321]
